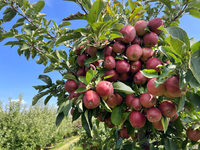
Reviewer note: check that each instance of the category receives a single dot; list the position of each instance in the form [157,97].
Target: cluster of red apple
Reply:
[135,53]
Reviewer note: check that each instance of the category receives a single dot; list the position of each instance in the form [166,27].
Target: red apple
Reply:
[118,47]
[78,50]
[146,54]
[150,39]
[154,114]
[80,59]
[104,89]
[139,78]
[137,119]
[174,118]
[153,63]
[128,99]
[155,91]
[155,23]
[91,99]
[148,100]
[108,51]
[193,134]
[135,103]
[81,72]
[111,101]
[123,133]
[122,66]
[72,111]
[70,86]
[109,62]
[92,51]
[134,52]
[114,77]
[140,27]
[135,66]
[99,117]
[136,40]
[109,123]
[128,33]
[118,98]
[158,125]
[168,108]
[123,76]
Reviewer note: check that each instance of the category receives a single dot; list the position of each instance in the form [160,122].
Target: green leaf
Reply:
[195,47]
[194,84]
[69,76]
[179,126]
[49,68]
[90,75]
[45,79]
[194,64]
[83,30]
[196,101]
[59,118]
[185,77]
[14,43]
[85,122]
[167,3]
[195,4]
[38,96]
[82,79]
[81,89]
[90,60]
[170,144]
[67,107]
[76,114]
[164,123]
[47,99]
[63,24]
[150,73]
[25,47]
[95,11]
[38,6]
[7,34]
[187,120]
[3,4]
[117,115]
[70,36]
[9,15]
[181,103]
[132,5]
[121,87]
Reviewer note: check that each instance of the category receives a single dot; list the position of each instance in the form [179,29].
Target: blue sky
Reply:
[19,75]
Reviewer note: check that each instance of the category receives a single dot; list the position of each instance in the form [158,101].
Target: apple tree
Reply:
[132,68]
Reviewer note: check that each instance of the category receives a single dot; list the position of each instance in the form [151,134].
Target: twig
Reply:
[179,14]
[160,10]
[82,7]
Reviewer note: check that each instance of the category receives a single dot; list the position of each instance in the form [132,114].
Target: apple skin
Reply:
[174,118]
[123,133]
[104,89]
[122,66]
[158,125]
[137,119]
[193,134]
[152,63]
[146,54]
[123,77]
[139,78]
[136,40]
[75,95]
[118,47]
[140,27]
[150,39]
[92,51]
[168,108]
[135,66]
[154,114]
[147,100]
[118,98]
[134,52]
[109,62]
[155,23]
[80,59]
[78,50]
[72,111]
[70,86]
[173,89]
[99,117]
[114,77]
[155,91]
[109,123]
[128,99]
[128,33]
[111,101]
[108,51]
[91,99]
[81,72]
[135,103]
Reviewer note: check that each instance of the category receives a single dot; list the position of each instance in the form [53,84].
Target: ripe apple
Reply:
[109,62]
[80,59]
[99,117]
[154,114]
[134,52]
[155,91]
[78,50]
[91,99]
[153,63]
[139,78]
[111,101]
[128,99]
[92,51]
[173,89]
[118,47]
[155,23]
[137,119]
[136,40]
[168,108]
[75,95]
[114,77]
[118,98]
[135,66]
[193,134]
[150,39]
[158,125]
[108,51]
[147,100]
[135,103]
[72,111]
[81,72]
[123,133]
[122,66]
[128,33]
[108,121]
[104,89]
[70,86]
[140,27]
[123,76]
[146,54]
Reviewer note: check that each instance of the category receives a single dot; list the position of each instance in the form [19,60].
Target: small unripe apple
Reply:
[153,63]
[128,33]
[150,39]
[139,78]
[70,86]
[140,27]
[155,23]
[91,99]
[118,47]
[122,66]
[134,52]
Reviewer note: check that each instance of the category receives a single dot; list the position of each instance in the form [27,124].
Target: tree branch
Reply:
[179,14]
[82,7]
[160,9]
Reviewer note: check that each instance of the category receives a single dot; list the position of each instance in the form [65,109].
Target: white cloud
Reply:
[16,100]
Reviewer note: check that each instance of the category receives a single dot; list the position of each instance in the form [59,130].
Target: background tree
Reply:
[138,103]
